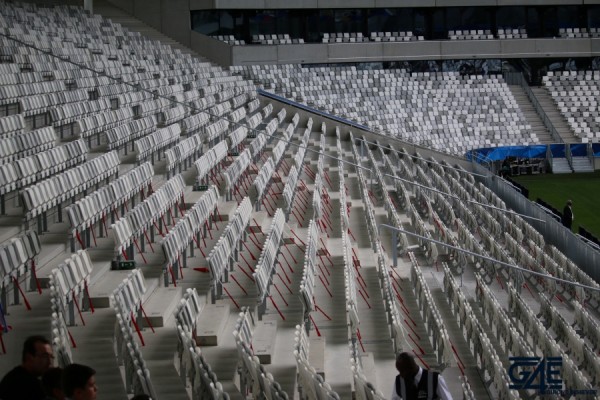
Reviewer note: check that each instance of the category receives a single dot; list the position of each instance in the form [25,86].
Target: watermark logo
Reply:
[537,373]
[542,374]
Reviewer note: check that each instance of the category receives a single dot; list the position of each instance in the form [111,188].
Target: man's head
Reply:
[406,365]
[79,382]
[569,202]
[37,355]
[52,383]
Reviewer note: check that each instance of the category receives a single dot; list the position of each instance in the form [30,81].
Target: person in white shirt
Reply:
[414,382]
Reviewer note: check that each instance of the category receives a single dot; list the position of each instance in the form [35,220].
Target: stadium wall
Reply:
[408,51]
[171,17]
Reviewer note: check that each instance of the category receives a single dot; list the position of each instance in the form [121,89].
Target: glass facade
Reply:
[431,22]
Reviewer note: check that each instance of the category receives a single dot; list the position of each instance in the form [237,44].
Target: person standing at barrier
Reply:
[23,382]
[414,382]
[568,216]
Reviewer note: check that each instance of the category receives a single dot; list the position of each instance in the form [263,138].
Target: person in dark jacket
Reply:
[414,382]
[52,383]
[23,382]
[568,217]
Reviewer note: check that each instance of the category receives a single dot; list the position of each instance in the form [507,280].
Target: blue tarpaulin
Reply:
[558,150]
[500,153]
[596,149]
[579,149]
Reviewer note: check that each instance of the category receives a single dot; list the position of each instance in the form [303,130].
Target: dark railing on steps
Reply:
[517,78]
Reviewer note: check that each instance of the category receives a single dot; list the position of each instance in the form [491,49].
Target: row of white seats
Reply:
[128,297]
[152,107]
[192,366]
[364,192]
[257,146]
[309,272]
[91,209]
[363,389]
[60,335]
[120,135]
[440,340]
[69,113]
[409,119]
[254,120]
[103,121]
[351,298]
[28,170]
[578,350]
[222,255]
[235,171]
[587,324]
[41,103]
[187,229]
[496,317]
[388,204]
[17,256]
[578,32]
[476,34]
[237,136]
[478,342]
[129,355]
[216,129]
[391,300]
[12,125]
[26,144]
[262,181]
[57,189]
[542,341]
[238,114]
[592,298]
[194,123]
[182,152]
[11,93]
[483,265]
[146,214]
[157,141]
[211,159]
[69,284]
[254,379]
[196,370]
[344,204]
[512,33]
[311,385]
[429,248]
[267,261]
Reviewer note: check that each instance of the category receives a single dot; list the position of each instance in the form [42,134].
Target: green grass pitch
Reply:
[583,189]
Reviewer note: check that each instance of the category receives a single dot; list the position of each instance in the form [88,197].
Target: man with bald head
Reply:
[415,383]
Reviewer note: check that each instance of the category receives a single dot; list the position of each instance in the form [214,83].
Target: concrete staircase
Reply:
[582,164]
[532,117]
[554,115]
[561,166]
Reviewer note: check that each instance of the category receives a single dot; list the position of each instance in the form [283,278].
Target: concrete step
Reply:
[549,106]
[161,303]
[530,114]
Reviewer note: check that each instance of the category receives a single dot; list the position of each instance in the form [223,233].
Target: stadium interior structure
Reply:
[199,209]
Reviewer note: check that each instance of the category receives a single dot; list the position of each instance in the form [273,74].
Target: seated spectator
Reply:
[23,382]
[79,382]
[52,383]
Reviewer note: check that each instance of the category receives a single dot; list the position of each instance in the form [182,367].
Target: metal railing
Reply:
[517,78]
